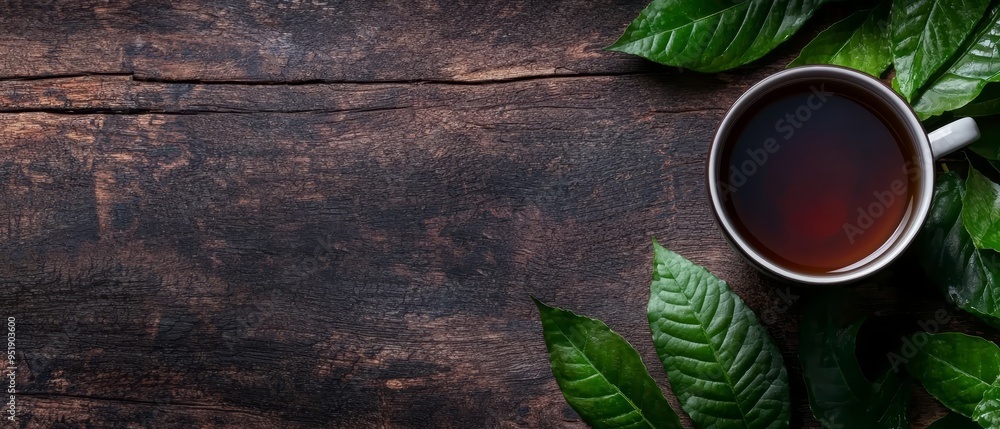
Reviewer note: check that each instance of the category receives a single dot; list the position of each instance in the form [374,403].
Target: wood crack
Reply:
[691,110]
[189,112]
[126,94]
[166,403]
[458,82]
[16,78]
[302,82]
[101,111]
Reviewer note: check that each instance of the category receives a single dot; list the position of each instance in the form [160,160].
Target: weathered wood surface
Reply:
[331,214]
[313,40]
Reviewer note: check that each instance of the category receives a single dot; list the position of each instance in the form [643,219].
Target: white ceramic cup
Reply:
[927,148]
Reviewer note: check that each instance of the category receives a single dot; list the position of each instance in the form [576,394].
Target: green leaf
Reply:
[986,107]
[925,34]
[986,103]
[988,145]
[839,394]
[722,365]
[981,210]
[956,368]
[954,421]
[987,413]
[601,375]
[969,74]
[713,35]
[969,276]
[857,42]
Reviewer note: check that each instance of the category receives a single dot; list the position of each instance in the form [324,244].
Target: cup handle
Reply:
[953,136]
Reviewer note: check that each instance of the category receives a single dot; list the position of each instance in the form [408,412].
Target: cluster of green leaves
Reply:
[959,243]
[726,371]
[960,247]
[723,368]
[943,51]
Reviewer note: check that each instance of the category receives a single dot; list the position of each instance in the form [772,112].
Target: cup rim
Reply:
[896,244]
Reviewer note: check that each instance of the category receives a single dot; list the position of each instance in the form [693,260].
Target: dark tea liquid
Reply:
[817,178]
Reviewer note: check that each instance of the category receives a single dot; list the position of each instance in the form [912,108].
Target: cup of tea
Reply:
[824,175]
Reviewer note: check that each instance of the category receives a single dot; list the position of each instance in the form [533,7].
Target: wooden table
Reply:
[332,214]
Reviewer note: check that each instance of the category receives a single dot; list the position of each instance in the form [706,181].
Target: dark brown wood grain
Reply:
[332,214]
[313,40]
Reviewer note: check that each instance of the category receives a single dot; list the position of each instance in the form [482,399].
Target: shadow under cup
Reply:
[820,177]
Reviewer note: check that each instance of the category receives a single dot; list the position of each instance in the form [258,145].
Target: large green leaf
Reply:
[969,276]
[601,375]
[925,34]
[957,369]
[722,365]
[966,77]
[954,421]
[713,35]
[981,210]
[839,394]
[987,413]
[857,42]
